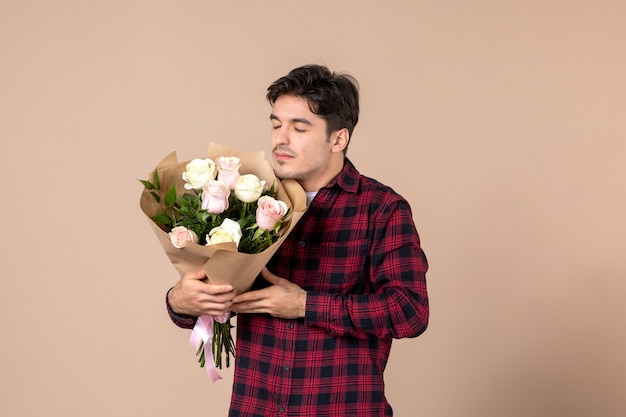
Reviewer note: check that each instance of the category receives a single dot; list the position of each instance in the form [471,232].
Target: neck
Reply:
[314,184]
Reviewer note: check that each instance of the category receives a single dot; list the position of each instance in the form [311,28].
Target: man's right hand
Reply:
[194,297]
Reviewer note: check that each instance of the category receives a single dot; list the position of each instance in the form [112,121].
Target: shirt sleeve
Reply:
[397,306]
[181,320]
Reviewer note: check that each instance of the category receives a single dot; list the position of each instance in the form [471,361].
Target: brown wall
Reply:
[502,122]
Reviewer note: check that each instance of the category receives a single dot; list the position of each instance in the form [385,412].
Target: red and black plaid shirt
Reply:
[357,254]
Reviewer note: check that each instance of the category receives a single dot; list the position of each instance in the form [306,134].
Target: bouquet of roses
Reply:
[227,214]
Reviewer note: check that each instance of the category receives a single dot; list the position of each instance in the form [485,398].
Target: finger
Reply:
[248,296]
[240,308]
[198,275]
[215,289]
[269,277]
[248,307]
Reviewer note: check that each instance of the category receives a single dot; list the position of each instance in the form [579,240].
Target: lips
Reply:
[281,155]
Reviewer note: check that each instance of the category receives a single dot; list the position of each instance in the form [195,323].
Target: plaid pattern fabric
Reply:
[357,254]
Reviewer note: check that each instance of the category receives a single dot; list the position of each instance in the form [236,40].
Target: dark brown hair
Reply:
[332,96]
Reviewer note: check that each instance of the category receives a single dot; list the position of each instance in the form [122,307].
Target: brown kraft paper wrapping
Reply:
[222,263]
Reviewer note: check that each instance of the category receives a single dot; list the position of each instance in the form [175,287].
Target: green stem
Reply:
[200,354]
[222,343]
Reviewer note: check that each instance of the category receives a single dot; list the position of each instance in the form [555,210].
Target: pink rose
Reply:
[180,236]
[228,170]
[269,212]
[215,196]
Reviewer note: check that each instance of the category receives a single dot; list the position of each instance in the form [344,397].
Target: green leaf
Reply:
[258,233]
[170,196]
[202,215]
[155,180]
[162,218]
[147,184]
[156,196]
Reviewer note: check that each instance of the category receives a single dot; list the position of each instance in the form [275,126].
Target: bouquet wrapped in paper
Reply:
[227,214]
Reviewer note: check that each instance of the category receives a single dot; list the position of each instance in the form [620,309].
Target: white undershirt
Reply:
[310,196]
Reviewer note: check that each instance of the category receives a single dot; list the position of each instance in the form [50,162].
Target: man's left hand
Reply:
[282,299]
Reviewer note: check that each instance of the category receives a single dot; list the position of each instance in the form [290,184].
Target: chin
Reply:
[284,172]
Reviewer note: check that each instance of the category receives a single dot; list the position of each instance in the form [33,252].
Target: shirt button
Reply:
[281,409]
[287,367]
[301,243]
[291,325]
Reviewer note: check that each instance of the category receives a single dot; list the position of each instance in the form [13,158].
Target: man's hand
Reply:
[282,299]
[193,296]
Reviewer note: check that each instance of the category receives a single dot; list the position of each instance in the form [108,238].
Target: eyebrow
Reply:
[294,120]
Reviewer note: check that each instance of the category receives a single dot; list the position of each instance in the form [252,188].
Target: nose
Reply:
[280,136]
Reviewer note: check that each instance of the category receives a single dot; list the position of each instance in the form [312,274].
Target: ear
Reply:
[340,139]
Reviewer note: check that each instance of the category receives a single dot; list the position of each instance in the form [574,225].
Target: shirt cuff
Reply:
[181,320]
[318,309]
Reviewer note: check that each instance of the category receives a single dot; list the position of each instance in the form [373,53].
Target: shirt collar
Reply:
[348,178]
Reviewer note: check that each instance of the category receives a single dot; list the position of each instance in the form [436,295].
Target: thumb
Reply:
[269,277]
[199,275]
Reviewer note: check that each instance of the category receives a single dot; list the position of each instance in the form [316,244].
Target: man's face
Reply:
[301,148]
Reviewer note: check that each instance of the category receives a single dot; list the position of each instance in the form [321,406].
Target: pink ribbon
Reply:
[203,332]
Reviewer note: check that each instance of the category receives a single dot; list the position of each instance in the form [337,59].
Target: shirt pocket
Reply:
[344,267]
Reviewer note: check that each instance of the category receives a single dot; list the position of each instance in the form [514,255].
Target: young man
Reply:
[314,335]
